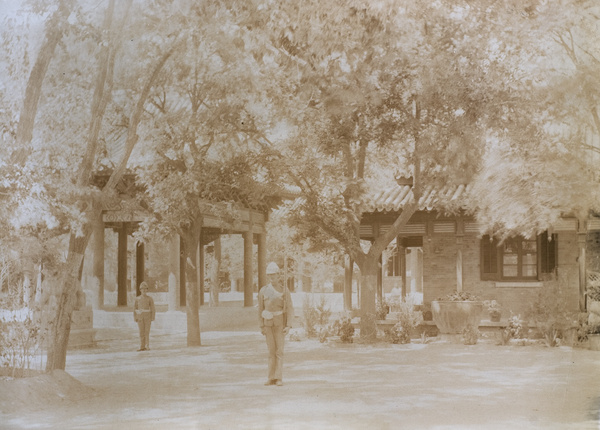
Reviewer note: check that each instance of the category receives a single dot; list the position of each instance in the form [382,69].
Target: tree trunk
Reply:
[54,32]
[69,281]
[368,290]
[192,296]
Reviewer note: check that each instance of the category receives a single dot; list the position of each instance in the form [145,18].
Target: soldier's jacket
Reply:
[275,308]
[142,306]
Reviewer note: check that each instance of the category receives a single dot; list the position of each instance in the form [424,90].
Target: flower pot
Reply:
[495,316]
[452,317]
[594,341]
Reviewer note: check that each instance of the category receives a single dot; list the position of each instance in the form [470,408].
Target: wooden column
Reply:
[380,278]
[402,264]
[182,277]
[140,266]
[248,274]
[122,266]
[200,267]
[348,269]
[581,242]
[460,232]
[262,260]
[173,272]
[98,263]
[379,291]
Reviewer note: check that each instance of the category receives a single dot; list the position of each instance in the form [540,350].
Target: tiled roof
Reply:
[395,198]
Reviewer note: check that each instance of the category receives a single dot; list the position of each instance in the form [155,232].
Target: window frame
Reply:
[492,259]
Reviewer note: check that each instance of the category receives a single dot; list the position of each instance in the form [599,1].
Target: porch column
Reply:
[248,275]
[173,272]
[262,260]
[140,266]
[402,263]
[122,266]
[200,267]
[379,291]
[182,277]
[380,278]
[98,262]
[349,266]
[581,243]
[460,231]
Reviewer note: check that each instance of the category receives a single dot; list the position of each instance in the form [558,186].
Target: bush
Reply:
[408,320]
[20,340]
[470,335]
[514,330]
[550,315]
[316,318]
[459,296]
[382,310]
[397,334]
[343,328]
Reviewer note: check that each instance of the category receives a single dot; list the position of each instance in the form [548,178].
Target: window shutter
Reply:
[548,252]
[489,258]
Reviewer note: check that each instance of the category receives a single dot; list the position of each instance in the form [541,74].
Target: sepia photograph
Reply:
[300,214]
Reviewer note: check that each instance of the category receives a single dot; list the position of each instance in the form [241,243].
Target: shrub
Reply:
[397,334]
[344,329]
[470,335]
[316,318]
[550,315]
[408,320]
[382,309]
[513,330]
[20,340]
[461,296]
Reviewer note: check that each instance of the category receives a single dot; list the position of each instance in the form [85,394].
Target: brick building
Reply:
[436,254]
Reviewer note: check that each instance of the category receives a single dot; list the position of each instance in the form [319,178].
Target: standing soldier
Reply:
[275,315]
[143,314]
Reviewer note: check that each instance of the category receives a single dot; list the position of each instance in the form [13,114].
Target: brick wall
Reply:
[439,273]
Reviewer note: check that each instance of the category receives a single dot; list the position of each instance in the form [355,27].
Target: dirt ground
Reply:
[436,385]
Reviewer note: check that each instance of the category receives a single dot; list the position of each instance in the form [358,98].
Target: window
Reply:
[518,258]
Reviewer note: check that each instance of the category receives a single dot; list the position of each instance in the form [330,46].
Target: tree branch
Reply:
[136,118]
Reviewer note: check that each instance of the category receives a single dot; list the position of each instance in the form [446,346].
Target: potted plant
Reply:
[453,313]
[494,310]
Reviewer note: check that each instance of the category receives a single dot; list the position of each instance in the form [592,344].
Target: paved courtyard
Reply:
[437,385]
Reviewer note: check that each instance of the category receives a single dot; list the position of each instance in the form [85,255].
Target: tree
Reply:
[198,159]
[545,165]
[67,198]
[415,89]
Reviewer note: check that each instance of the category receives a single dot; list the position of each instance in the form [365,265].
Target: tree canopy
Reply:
[233,101]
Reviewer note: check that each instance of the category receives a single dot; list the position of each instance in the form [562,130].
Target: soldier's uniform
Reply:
[275,313]
[143,314]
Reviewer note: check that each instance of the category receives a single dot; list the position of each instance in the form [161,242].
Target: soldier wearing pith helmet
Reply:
[144,313]
[275,316]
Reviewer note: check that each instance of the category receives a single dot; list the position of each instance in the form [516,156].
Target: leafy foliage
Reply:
[459,296]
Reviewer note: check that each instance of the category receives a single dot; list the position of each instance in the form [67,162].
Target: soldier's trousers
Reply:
[275,339]
[144,321]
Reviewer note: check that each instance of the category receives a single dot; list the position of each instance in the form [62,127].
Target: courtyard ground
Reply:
[434,385]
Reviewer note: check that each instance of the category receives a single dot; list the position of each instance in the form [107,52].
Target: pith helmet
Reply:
[272,268]
[143,285]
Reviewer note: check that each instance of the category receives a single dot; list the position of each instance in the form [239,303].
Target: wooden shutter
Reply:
[489,258]
[548,252]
